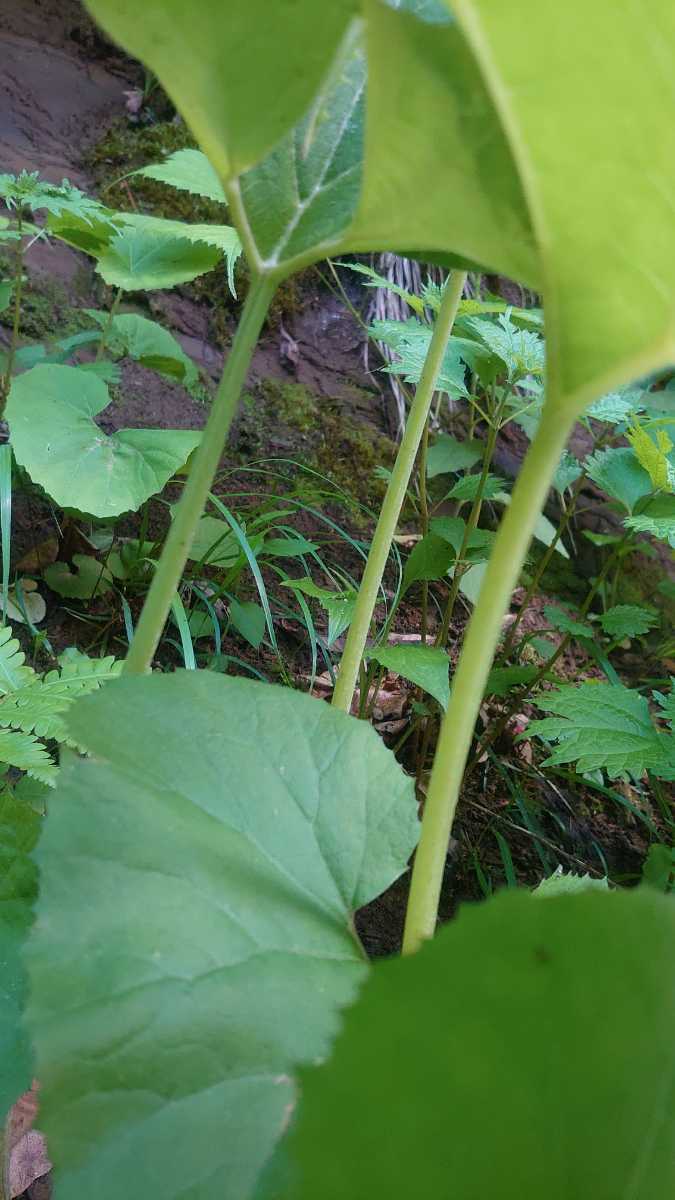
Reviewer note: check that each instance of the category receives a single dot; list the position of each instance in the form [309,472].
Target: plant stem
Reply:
[18,288]
[468,685]
[424,521]
[174,555]
[105,332]
[395,495]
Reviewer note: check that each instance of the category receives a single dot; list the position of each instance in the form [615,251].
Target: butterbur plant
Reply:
[200,868]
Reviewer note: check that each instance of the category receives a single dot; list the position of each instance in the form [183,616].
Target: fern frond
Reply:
[13,673]
[37,707]
[24,751]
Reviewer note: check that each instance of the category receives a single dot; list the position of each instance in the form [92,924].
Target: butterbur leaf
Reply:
[137,260]
[628,621]
[583,197]
[540,987]
[189,171]
[561,621]
[426,666]
[72,459]
[240,76]
[299,200]
[618,472]
[247,844]
[604,726]
[82,580]
[19,830]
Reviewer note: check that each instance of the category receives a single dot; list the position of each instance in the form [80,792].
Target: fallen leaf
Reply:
[39,556]
[27,1162]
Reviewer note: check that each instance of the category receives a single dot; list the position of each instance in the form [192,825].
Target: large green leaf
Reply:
[19,828]
[237,826]
[301,198]
[51,412]
[439,173]
[526,1052]
[241,73]
[574,86]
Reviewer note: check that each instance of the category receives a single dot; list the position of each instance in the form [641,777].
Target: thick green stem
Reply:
[204,466]
[468,685]
[393,500]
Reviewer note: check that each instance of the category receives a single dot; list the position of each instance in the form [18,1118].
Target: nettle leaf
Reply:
[85,578]
[430,559]
[561,621]
[604,726]
[617,407]
[410,341]
[259,820]
[565,883]
[628,621]
[657,518]
[19,831]
[467,487]
[189,171]
[137,260]
[220,237]
[618,472]
[338,605]
[568,470]
[241,76]
[502,679]
[426,666]
[521,351]
[453,529]
[539,986]
[51,412]
[614,154]
[148,344]
[446,455]
[653,456]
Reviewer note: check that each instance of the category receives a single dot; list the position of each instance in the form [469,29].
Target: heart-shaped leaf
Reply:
[427,666]
[88,578]
[51,412]
[238,826]
[521,1010]
[136,260]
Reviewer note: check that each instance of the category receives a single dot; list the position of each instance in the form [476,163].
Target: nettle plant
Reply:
[194,941]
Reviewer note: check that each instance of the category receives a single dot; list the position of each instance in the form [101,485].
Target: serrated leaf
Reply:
[467,487]
[618,472]
[137,260]
[38,707]
[430,559]
[220,237]
[561,621]
[426,666]
[617,407]
[453,529]
[259,820]
[447,455]
[653,457]
[338,605]
[566,883]
[628,621]
[189,171]
[604,726]
[72,459]
[502,679]
[410,341]
[19,830]
[568,470]
[540,987]
[521,351]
